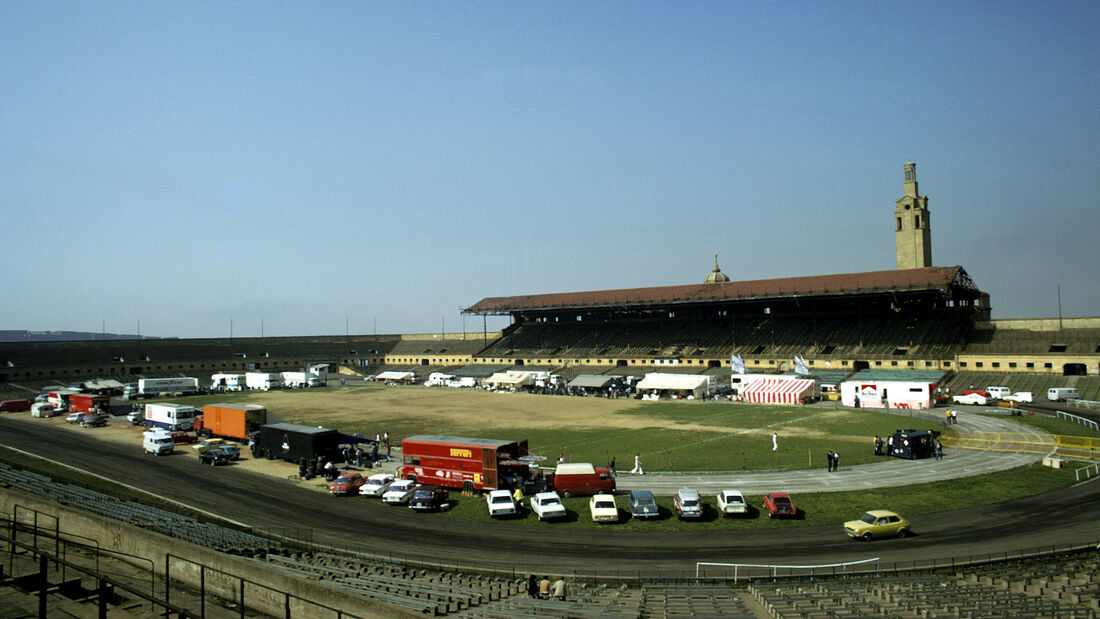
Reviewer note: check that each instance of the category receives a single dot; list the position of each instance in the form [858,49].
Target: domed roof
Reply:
[716,276]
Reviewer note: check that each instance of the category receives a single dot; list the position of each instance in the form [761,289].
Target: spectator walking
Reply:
[939,450]
[775,441]
[611,466]
[637,464]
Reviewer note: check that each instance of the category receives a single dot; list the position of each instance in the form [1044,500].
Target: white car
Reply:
[603,508]
[547,505]
[500,503]
[732,502]
[970,398]
[399,492]
[1020,396]
[74,417]
[376,485]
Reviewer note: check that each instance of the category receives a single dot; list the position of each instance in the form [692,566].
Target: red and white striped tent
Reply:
[778,390]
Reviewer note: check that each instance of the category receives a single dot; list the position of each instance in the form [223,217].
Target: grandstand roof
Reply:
[906,280]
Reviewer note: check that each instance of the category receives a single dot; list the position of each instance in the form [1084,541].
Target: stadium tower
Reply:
[913,226]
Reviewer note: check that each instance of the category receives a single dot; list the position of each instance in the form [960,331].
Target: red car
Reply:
[779,504]
[179,436]
[348,483]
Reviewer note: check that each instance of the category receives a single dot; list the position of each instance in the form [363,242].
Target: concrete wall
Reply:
[122,537]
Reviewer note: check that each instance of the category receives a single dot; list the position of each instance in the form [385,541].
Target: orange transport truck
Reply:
[472,464]
[231,420]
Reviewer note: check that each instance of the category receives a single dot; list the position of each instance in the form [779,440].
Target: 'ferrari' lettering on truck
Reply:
[462,453]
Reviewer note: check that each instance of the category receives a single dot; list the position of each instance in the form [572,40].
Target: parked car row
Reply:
[602,507]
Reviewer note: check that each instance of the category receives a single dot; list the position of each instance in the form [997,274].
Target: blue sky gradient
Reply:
[377,166]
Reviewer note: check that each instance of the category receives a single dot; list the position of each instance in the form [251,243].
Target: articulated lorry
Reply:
[171,417]
[153,387]
[237,421]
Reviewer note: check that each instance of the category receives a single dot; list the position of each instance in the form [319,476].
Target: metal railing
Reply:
[792,570]
[1089,471]
[1078,420]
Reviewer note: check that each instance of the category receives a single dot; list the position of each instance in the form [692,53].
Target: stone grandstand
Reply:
[932,318]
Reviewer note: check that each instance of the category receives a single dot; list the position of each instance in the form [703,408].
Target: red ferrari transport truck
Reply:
[472,464]
[88,403]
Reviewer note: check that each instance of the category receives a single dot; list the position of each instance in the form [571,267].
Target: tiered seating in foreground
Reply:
[144,516]
[423,591]
[1065,586]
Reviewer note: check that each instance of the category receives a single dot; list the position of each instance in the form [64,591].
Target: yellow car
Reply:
[231,449]
[877,523]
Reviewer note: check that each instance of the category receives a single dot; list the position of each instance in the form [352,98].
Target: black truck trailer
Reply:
[293,442]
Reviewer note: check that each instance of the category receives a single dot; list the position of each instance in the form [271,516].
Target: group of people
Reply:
[952,417]
[833,458]
[544,590]
[637,470]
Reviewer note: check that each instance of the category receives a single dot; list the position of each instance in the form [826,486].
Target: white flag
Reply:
[737,364]
[800,365]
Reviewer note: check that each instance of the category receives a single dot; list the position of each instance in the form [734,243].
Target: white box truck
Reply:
[157,442]
[170,417]
[1060,394]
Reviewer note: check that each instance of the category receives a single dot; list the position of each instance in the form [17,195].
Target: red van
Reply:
[15,406]
[580,479]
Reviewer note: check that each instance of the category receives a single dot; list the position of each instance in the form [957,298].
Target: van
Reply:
[580,479]
[157,442]
[42,409]
[998,392]
[1059,394]
[15,406]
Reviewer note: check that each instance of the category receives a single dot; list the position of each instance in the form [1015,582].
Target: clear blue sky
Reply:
[381,164]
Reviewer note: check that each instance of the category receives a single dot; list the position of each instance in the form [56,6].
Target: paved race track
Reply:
[1065,517]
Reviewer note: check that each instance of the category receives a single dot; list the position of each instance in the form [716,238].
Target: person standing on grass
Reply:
[829,461]
[836,460]
[775,441]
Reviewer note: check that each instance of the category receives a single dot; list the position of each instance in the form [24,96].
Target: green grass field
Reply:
[672,436]
[679,436]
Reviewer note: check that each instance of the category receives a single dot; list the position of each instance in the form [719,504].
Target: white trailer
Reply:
[171,417]
[152,387]
[263,381]
[227,382]
[887,394]
[296,380]
[438,379]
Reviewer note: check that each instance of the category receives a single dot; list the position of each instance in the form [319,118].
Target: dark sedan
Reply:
[214,457]
[429,498]
[642,504]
